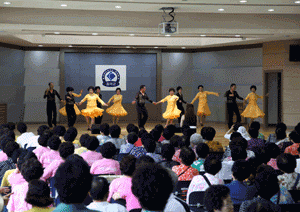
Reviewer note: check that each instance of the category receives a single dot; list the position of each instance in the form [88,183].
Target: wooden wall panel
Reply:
[273,60]
[277,47]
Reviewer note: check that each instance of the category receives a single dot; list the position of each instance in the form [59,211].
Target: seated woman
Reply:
[275,137]
[83,139]
[167,152]
[91,156]
[71,135]
[107,165]
[202,151]
[217,198]
[43,141]
[115,132]
[53,154]
[189,118]
[273,151]
[104,130]
[150,147]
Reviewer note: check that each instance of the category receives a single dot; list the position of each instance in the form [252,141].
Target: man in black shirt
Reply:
[232,107]
[50,94]
[179,102]
[70,102]
[140,99]
[98,120]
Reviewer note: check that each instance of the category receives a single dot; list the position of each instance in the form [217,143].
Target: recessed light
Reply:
[6,2]
[57,33]
[155,47]
[40,45]
[271,10]
[237,36]
[127,47]
[297,2]
[70,46]
[167,35]
[203,35]
[221,9]
[94,33]
[63,5]
[183,47]
[118,7]
[243,1]
[131,34]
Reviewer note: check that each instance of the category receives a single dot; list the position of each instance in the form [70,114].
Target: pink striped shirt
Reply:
[123,187]
[17,201]
[3,156]
[91,156]
[49,157]
[51,169]
[106,166]
[40,151]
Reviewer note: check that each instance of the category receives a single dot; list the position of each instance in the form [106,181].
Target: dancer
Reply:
[232,107]
[50,94]
[98,120]
[91,110]
[172,112]
[203,109]
[140,99]
[71,110]
[252,110]
[179,102]
[116,110]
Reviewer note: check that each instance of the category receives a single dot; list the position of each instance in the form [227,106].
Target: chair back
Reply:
[196,201]
[181,189]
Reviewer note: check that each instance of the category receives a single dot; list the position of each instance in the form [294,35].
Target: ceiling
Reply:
[134,23]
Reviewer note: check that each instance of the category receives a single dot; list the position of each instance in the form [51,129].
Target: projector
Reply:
[168,28]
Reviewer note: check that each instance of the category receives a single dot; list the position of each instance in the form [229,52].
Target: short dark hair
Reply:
[108,150]
[172,128]
[66,149]
[214,197]
[22,127]
[127,165]
[50,83]
[202,150]
[253,132]
[294,136]
[286,162]
[235,135]
[59,130]
[100,188]
[24,156]
[115,131]
[11,126]
[91,87]
[167,151]
[132,138]
[297,128]
[187,156]
[38,194]
[253,86]
[240,141]
[43,139]
[143,160]
[178,88]
[281,125]
[71,134]
[97,87]
[260,153]
[255,125]
[167,134]
[233,84]
[54,142]
[240,170]
[237,126]
[238,153]
[92,143]
[209,133]
[83,139]
[68,89]
[118,89]
[200,86]
[280,133]
[142,86]
[41,129]
[5,140]
[172,89]
[32,169]
[104,128]
[10,148]
[152,185]
[129,127]
[155,134]
[212,165]
[73,180]
[159,127]
[272,150]
[150,145]
[176,140]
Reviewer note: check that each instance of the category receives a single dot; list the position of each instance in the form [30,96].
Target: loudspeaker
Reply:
[295,53]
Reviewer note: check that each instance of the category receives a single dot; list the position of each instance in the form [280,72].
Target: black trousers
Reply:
[51,113]
[142,115]
[233,108]
[71,115]
[181,114]
[98,120]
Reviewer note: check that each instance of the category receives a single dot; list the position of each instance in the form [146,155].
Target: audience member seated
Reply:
[107,165]
[195,140]
[73,181]
[104,130]
[99,193]
[65,149]
[11,150]
[31,169]
[83,139]
[233,136]
[214,146]
[237,140]
[43,144]
[131,139]
[129,129]
[240,191]
[201,182]
[91,156]
[115,132]
[150,146]
[53,154]
[256,125]
[152,185]
[3,141]
[71,135]
[255,141]
[144,159]
[167,152]
[33,141]
[38,195]
[160,129]
[293,149]
[187,133]
[267,186]
[234,128]
[284,141]
[290,179]
[167,134]
[181,144]
[121,188]
[275,137]
[155,136]
[25,136]
[59,131]
[272,150]
[140,135]
[139,151]
[217,198]
[184,171]
[202,151]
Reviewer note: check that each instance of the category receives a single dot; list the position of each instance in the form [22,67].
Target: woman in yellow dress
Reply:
[203,109]
[252,110]
[116,110]
[172,112]
[91,110]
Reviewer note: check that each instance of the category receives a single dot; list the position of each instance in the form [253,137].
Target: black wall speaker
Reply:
[295,53]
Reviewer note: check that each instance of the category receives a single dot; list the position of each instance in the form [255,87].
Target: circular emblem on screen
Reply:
[111,78]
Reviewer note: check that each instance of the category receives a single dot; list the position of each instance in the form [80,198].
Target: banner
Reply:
[110,77]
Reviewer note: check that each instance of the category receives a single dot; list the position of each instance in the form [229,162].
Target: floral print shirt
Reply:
[188,174]
[288,180]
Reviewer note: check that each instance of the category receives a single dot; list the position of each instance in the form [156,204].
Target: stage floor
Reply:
[220,128]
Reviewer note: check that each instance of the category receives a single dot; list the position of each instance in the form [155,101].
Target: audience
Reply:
[284,141]
[272,150]
[293,149]
[279,134]
[180,144]
[208,135]
[25,136]
[202,151]
[33,141]
[83,139]
[155,134]
[115,132]
[256,125]
[150,146]
[104,130]
[107,165]
[167,134]
[4,140]
[217,198]
[144,159]
[167,152]
[139,151]
[184,171]
[195,140]
[255,141]
[43,143]
[11,150]
[53,154]
[91,156]
[132,137]
[71,135]
[59,131]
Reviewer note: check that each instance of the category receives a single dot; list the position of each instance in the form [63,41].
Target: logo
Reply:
[111,78]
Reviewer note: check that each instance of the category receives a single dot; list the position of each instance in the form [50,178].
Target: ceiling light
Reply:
[118,7]
[127,47]
[131,34]
[57,33]
[70,46]
[6,3]
[271,10]
[95,33]
[40,45]
[183,47]
[297,2]
[167,35]
[203,35]
[237,36]
[63,5]
[155,47]
[221,9]
[243,1]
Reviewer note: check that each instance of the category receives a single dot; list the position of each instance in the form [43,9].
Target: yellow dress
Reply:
[116,109]
[203,108]
[91,108]
[63,111]
[172,111]
[252,110]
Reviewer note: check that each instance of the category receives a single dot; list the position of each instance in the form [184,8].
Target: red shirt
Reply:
[188,173]
[138,143]
[293,149]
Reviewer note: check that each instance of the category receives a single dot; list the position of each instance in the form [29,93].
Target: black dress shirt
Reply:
[51,96]
[140,98]
[232,99]
[70,100]
[98,103]
[179,104]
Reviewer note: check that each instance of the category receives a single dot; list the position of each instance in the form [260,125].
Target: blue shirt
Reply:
[240,192]
[103,138]
[138,152]
[126,148]
[72,207]
[156,157]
